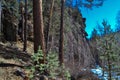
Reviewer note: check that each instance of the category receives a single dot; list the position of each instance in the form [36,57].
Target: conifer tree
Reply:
[61,40]
[38,26]
[49,24]
[107,45]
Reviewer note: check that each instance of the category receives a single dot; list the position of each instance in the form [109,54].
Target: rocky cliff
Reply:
[77,53]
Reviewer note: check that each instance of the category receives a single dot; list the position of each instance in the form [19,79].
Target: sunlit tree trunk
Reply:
[61,40]
[38,26]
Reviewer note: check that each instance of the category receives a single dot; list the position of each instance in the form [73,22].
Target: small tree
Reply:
[94,34]
[51,68]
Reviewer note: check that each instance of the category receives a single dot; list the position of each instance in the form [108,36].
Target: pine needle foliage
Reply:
[109,51]
[50,68]
[52,65]
[10,11]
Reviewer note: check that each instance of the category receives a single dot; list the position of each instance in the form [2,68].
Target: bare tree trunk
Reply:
[0,17]
[61,41]
[109,67]
[109,63]
[22,32]
[38,26]
[49,24]
[21,26]
[25,26]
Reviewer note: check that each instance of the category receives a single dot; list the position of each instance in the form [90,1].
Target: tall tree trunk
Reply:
[38,26]
[21,22]
[108,61]
[0,17]
[109,67]
[25,30]
[22,32]
[49,24]
[61,41]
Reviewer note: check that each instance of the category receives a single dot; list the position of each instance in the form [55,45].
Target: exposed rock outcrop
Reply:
[77,53]
[77,50]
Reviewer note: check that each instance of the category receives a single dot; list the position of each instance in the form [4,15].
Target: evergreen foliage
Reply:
[94,34]
[50,68]
[10,10]
[109,51]
[118,21]
[36,58]
[52,64]
[10,15]
[64,72]
[84,3]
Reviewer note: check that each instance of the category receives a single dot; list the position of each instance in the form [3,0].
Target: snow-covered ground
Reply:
[99,72]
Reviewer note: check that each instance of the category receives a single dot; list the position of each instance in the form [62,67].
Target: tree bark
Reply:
[0,17]
[61,40]
[25,28]
[49,24]
[38,26]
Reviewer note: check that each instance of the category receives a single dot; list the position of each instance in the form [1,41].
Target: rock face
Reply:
[77,53]
[77,50]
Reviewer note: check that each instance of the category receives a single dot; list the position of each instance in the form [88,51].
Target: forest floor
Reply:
[13,54]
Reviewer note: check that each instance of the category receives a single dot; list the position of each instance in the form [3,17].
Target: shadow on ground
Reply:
[12,52]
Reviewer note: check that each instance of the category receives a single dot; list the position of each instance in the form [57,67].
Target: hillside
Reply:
[19,26]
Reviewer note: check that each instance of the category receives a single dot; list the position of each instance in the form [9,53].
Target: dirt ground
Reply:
[12,53]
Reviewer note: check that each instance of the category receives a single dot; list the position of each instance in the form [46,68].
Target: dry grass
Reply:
[29,46]
[7,73]
[13,55]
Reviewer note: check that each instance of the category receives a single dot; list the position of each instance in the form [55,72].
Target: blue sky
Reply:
[107,11]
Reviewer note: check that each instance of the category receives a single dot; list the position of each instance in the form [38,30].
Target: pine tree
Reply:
[61,44]
[38,26]
[49,24]
[108,50]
